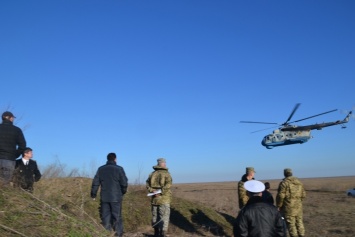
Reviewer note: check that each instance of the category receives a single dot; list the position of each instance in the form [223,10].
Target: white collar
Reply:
[24,161]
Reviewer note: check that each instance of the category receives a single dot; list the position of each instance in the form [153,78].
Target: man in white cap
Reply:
[257,218]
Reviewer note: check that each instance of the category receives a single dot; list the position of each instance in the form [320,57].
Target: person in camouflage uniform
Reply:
[242,192]
[160,180]
[289,200]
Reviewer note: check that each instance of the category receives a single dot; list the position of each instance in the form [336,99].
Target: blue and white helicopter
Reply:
[292,134]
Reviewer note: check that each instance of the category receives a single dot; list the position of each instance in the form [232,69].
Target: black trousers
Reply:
[111,216]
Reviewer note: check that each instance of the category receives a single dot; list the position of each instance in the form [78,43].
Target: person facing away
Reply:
[242,193]
[12,144]
[159,182]
[258,218]
[113,181]
[289,200]
[26,171]
[267,196]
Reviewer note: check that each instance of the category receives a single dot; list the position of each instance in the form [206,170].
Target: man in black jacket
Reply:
[267,196]
[26,171]
[12,144]
[114,183]
[257,218]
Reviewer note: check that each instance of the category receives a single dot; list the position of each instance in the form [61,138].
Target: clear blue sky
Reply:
[150,79]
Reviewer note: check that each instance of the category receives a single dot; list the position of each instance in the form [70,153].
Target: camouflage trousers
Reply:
[295,225]
[161,215]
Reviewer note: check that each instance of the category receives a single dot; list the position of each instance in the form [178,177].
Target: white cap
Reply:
[254,186]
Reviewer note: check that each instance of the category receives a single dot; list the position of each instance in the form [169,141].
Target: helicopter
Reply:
[288,134]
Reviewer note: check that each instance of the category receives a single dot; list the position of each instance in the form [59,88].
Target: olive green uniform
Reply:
[242,192]
[289,199]
[160,179]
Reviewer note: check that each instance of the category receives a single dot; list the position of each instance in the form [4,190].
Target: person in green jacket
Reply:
[242,192]
[158,185]
[289,200]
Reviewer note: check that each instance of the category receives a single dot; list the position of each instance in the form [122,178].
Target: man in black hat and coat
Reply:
[12,144]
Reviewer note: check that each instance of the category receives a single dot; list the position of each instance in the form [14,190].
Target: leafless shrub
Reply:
[55,170]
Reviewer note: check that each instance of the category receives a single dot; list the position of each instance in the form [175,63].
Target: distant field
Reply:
[327,209]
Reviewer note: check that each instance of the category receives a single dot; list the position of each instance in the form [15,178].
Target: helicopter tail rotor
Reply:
[349,112]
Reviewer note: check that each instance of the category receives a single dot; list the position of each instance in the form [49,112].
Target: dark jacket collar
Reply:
[110,162]
[157,167]
[254,199]
[6,122]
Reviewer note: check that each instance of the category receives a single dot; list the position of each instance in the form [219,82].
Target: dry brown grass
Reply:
[63,207]
[328,212]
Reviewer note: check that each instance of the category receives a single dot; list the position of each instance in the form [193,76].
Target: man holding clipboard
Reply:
[158,185]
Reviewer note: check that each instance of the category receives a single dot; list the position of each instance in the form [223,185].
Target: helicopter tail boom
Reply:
[318,126]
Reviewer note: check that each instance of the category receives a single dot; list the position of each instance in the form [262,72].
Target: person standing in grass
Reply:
[242,192]
[158,185]
[12,144]
[113,181]
[258,218]
[267,196]
[289,200]
[26,171]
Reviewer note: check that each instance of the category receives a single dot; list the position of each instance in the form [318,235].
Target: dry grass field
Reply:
[328,212]
[62,207]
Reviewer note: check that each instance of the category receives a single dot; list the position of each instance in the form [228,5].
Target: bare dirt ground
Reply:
[328,211]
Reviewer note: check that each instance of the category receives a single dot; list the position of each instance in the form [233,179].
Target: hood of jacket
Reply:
[293,180]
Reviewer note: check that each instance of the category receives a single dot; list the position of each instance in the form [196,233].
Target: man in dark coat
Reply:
[114,183]
[267,196]
[258,218]
[26,171]
[12,144]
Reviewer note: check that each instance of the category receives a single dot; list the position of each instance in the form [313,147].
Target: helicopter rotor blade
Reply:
[264,129]
[292,113]
[256,122]
[315,115]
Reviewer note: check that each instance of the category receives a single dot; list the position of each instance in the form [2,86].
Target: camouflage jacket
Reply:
[160,179]
[290,196]
[242,192]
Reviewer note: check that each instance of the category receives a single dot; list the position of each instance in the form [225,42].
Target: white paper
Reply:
[156,192]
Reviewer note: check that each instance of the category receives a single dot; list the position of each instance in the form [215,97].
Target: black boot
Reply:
[156,232]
